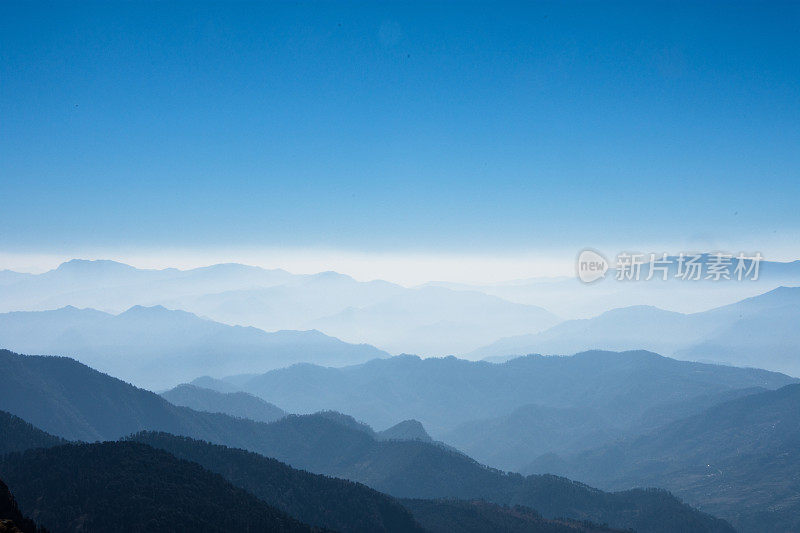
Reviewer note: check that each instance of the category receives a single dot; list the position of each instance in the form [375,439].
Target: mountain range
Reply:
[568,297]
[759,332]
[434,319]
[442,393]
[321,501]
[395,318]
[53,393]
[158,347]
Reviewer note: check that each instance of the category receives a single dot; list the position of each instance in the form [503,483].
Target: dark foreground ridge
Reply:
[129,486]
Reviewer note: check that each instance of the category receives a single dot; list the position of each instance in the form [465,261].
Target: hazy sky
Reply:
[460,129]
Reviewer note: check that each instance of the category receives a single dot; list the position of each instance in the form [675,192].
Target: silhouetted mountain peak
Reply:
[153,310]
[239,404]
[93,265]
[406,430]
[782,294]
[342,420]
[72,310]
[207,382]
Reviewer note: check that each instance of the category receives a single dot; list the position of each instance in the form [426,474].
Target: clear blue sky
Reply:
[398,126]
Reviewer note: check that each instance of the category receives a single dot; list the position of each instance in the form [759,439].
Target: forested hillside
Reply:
[129,486]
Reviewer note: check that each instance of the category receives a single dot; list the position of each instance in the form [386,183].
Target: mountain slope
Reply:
[17,435]
[314,499]
[238,404]
[127,486]
[444,516]
[760,332]
[73,401]
[420,470]
[156,347]
[738,460]
[11,519]
[514,440]
[319,500]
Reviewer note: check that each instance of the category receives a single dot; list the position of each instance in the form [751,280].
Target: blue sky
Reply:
[394,128]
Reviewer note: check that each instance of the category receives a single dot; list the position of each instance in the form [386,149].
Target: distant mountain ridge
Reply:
[435,321]
[568,297]
[86,283]
[759,332]
[239,404]
[444,392]
[158,348]
[426,320]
